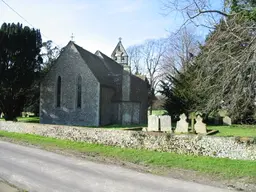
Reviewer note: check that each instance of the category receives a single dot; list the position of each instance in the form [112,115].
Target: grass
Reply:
[220,167]
[26,119]
[235,130]
[159,112]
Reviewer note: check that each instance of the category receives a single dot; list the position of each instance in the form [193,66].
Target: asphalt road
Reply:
[38,170]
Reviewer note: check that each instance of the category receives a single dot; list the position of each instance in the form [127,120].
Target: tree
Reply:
[228,73]
[135,58]
[226,76]
[180,93]
[49,53]
[178,85]
[148,59]
[20,65]
[153,52]
[203,13]
[183,47]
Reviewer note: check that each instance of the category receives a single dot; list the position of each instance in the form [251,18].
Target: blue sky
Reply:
[96,24]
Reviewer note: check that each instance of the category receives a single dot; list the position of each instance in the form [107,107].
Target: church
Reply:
[87,89]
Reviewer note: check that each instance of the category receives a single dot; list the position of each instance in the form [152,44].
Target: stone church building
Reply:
[89,89]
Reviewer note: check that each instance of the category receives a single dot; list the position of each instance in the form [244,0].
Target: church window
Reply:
[58,91]
[79,92]
[118,48]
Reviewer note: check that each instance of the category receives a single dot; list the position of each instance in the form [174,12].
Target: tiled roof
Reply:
[97,66]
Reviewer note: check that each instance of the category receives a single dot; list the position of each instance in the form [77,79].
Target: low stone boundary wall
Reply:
[228,147]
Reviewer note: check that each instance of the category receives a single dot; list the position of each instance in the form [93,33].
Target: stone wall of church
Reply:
[130,113]
[139,93]
[133,107]
[107,111]
[69,66]
[126,84]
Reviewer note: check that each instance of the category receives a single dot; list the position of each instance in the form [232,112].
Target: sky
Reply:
[96,24]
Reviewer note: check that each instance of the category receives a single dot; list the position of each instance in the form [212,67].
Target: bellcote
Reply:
[119,54]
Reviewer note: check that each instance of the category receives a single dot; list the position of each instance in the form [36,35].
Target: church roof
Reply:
[97,66]
[113,66]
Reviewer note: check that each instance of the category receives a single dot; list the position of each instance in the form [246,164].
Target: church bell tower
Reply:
[119,54]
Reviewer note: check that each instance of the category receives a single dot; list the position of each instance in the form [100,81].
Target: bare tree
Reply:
[153,52]
[198,12]
[135,58]
[183,47]
[148,59]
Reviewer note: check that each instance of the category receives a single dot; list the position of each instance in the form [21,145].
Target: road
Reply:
[38,170]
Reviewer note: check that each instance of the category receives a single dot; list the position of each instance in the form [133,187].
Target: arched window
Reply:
[79,92]
[58,95]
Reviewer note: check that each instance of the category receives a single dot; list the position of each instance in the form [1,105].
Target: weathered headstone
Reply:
[153,123]
[165,123]
[182,124]
[227,120]
[200,127]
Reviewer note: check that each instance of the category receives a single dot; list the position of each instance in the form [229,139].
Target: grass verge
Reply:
[219,167]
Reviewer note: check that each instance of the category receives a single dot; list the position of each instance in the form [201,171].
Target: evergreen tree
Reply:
[20,64]
[180,90]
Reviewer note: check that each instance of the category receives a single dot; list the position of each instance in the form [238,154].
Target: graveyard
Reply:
[223,130]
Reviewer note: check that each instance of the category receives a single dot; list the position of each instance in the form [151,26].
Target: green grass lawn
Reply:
[158,112]
[220,167]
[26,119]
[235,130]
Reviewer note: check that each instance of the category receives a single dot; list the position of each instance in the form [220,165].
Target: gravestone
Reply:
[153,123]
[200,127]
[165,123]
[182,124]
[227,121]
